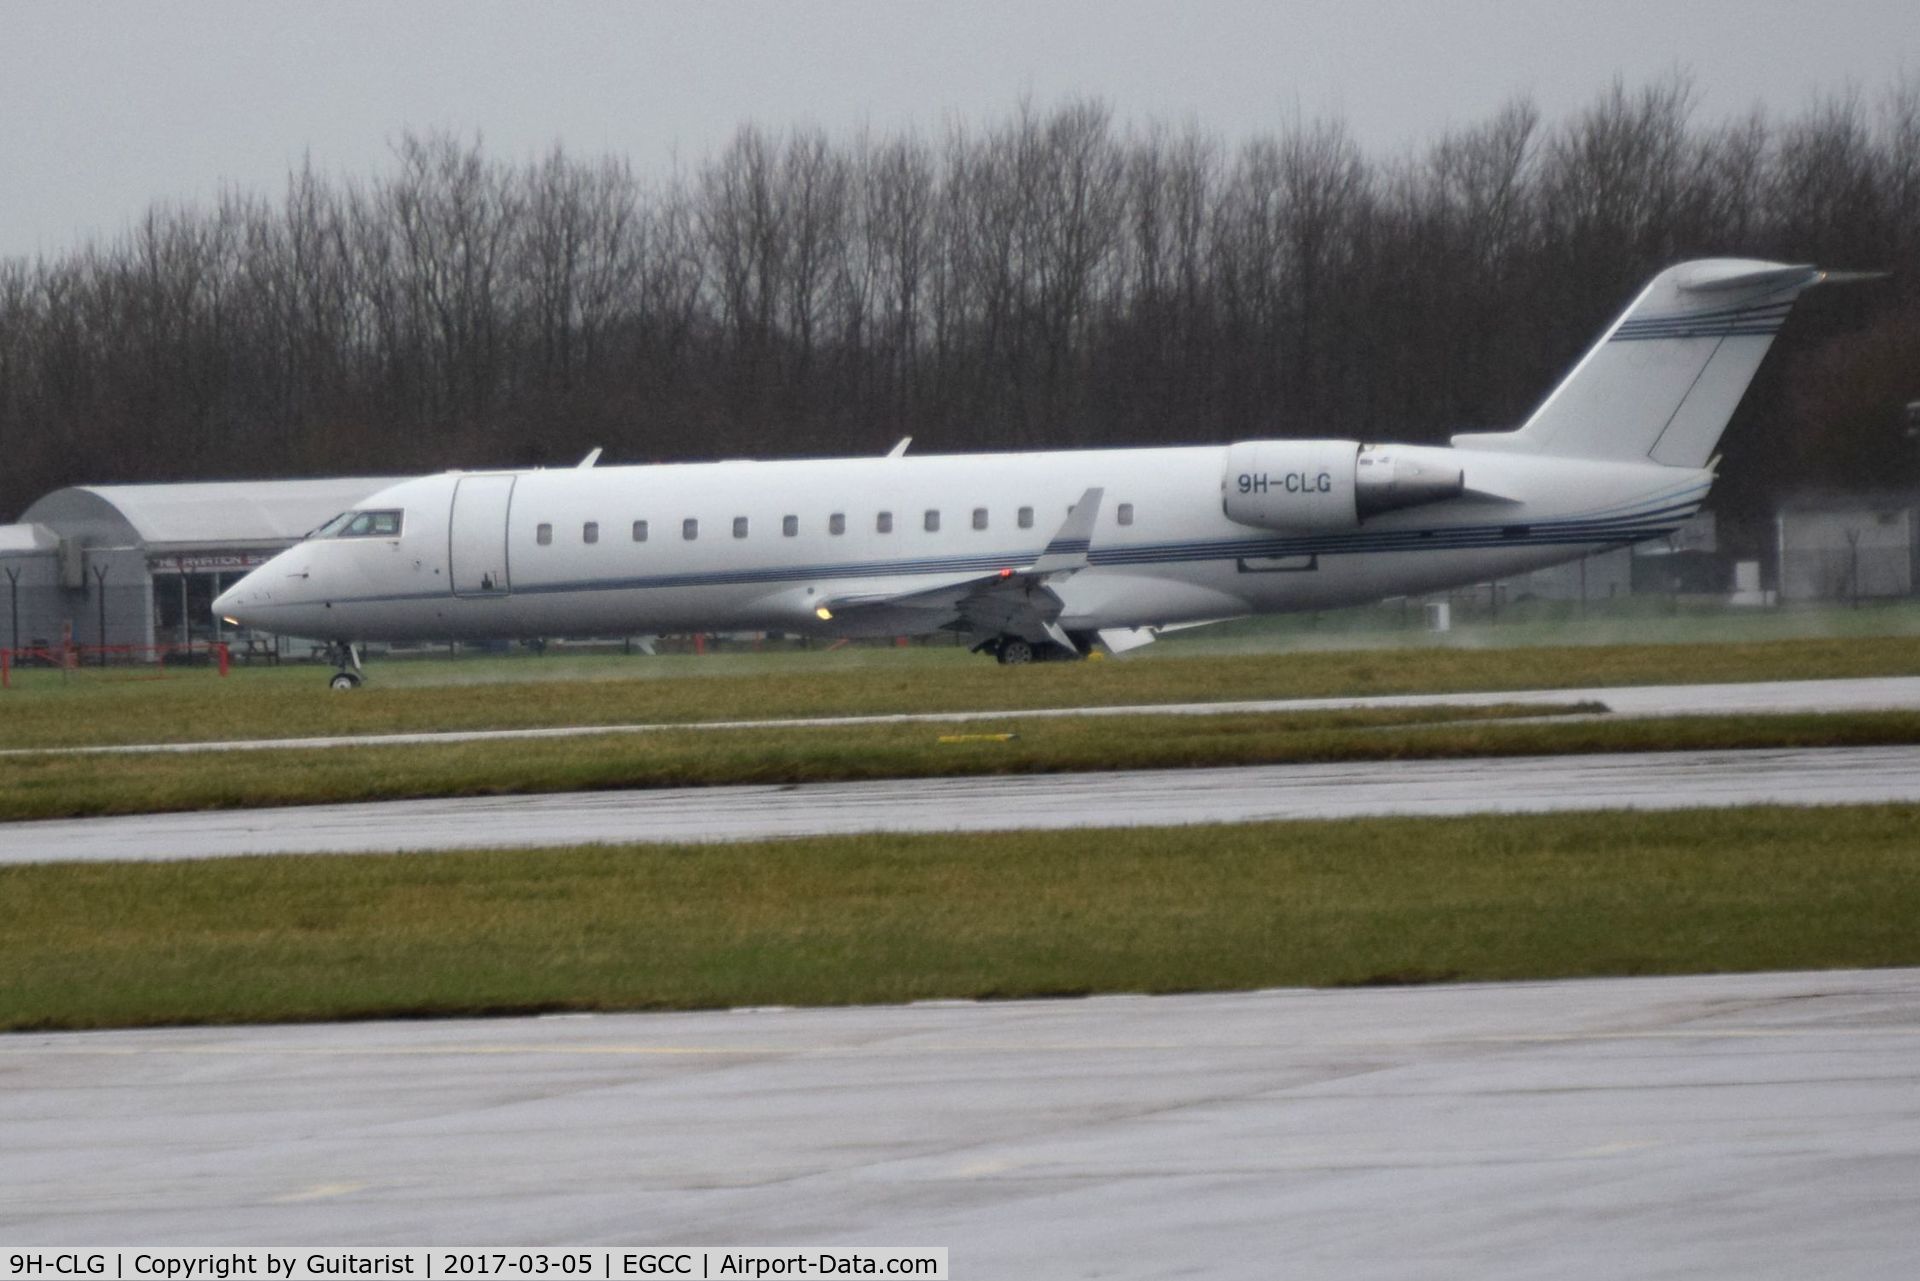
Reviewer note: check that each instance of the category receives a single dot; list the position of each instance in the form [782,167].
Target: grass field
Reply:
[1634,620]
[116,707]
[897,918]
[890,918]
[43,786]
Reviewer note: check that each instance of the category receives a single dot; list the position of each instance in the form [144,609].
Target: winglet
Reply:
[589,460]
[900,450]
[1067,550]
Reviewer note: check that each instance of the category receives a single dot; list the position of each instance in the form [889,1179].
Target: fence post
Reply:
[220,653]
[13,603]
[100,585]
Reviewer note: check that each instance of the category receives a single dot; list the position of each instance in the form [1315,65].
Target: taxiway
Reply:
[1644,780]
[1753,1126]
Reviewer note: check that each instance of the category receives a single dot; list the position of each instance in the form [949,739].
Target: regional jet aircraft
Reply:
[1046,555]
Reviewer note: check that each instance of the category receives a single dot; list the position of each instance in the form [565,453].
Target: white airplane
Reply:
[1041,555]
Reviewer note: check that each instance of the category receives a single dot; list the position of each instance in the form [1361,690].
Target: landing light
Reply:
[824,614]
[229,621]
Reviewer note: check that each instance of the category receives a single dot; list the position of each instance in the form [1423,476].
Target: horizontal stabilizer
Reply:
[1712,282]
[1665,378]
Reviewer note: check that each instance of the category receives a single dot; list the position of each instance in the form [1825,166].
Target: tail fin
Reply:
[1667,375]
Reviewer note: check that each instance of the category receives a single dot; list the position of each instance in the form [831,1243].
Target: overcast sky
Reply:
[108,106]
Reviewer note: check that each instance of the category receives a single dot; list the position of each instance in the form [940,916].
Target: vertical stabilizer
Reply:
[1667,375]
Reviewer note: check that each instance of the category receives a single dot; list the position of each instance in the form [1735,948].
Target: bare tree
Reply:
[452,212]
[1824,183]
[897,234]
[1050,278]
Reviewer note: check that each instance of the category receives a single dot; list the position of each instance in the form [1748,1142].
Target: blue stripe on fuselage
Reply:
[1643,523]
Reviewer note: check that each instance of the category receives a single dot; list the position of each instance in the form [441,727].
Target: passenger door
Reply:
[477,535]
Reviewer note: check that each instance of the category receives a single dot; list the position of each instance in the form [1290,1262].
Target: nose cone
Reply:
[282,596]
[230,606]
[248,602]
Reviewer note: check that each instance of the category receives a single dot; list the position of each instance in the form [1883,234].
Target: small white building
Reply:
[139,565]
[1602,576]
[1847,546]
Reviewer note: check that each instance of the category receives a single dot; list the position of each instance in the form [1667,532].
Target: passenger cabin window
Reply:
[590,532]
[883,523]
[639,531]
[837,523]
[543,534]
[739,526]
[375,524]
[1026,518]
[689,529]
[1125,513]
[979,518]
[789,526]
[933,521]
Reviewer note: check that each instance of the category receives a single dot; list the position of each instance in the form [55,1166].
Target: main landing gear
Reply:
[1014,650]
[348,673]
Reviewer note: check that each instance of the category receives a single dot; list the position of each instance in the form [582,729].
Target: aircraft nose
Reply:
[241,604]
[227,605]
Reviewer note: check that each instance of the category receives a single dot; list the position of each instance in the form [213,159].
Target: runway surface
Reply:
[1752,1126]
[1650,780]
[1889,693]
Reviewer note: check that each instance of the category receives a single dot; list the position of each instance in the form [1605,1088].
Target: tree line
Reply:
[1050,279]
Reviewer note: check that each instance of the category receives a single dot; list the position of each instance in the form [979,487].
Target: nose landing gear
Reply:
[348,673]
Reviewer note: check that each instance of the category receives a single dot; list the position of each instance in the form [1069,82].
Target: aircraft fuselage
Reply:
[759,545]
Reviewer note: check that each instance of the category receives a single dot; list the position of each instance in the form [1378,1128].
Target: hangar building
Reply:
[139,565]
[1849,546]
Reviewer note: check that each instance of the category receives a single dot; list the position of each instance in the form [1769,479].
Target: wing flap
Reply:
[1014,601]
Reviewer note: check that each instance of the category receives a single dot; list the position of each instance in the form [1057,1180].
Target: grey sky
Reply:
[105,107]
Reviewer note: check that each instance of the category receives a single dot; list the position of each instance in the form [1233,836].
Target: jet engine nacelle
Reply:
[1332,484]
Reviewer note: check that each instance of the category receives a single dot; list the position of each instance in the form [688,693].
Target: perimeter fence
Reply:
[146,662]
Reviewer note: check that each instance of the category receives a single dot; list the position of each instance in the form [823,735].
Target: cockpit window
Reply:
[333,526]
[370,524]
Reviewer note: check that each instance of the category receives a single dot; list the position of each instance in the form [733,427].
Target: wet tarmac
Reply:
[1753,1126]
[1647,780]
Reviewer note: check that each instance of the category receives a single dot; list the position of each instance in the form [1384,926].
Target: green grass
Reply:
[68,786]
[115,707]
[55,786]
[1637,620]
[897,918]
